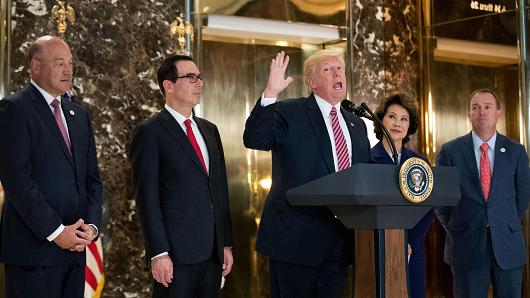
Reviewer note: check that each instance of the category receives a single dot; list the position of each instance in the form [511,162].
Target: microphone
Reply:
[357,110]
[364,111]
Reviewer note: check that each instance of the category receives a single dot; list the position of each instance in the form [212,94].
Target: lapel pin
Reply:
[72,113]
[503,149]
[351,124]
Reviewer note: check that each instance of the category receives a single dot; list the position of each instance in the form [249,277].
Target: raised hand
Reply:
[277,81]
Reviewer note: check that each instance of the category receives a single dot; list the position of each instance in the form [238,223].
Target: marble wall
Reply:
[384,51]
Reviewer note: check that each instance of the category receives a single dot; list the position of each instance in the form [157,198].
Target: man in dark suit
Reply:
[484,241]
[51,179]
[181,189]
[308,248]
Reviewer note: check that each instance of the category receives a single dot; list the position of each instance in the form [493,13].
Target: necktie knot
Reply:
[333,112]
[484,147]
[55,103]
[187,122]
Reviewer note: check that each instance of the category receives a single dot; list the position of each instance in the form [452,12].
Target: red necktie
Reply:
[343,158]
[59,120]
[485,170]
[193,141]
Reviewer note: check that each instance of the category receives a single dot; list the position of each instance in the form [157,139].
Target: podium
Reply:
[367,196]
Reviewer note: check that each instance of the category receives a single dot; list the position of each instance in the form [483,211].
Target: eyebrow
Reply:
[393,113]
[59,58]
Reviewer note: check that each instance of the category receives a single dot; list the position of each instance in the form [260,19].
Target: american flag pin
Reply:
[72,113]
[503,149]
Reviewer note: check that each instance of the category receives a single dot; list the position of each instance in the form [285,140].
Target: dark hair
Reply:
[35,50]
[405,102]
[168,70]
[484,90]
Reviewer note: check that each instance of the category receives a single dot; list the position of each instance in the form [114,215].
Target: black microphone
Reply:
[364,111]
[357,110]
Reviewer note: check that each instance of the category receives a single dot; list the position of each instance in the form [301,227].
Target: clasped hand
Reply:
[76,237]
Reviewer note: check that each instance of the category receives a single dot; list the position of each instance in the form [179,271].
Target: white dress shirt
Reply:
[325,109]
[198,136]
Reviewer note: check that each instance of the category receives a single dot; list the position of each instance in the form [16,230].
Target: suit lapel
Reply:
[321,132]
[71,114]
[174,129]
[211,145]
[46,114]
[469,158]
[499,161]
[349,118]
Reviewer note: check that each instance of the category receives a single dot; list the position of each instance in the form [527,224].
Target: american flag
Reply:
[94,275]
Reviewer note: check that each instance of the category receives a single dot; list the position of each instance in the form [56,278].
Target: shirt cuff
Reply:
[265,101]
[97,231]
[56,233]
[160,255]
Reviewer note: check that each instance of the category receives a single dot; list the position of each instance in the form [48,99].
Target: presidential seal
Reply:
[416,180]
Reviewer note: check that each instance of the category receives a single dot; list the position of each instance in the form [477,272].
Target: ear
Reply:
[168,86]
[35,65]
[312,84]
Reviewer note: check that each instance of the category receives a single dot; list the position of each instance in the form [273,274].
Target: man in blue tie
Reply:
[308,248]
[51,179]
[484,242]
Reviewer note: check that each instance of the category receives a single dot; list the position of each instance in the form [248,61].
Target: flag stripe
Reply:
[90,278]
[94,250]
[91,264]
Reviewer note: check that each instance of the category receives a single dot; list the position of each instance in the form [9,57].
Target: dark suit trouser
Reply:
[298,281]
[417,273]
[44,281]
[192,281]
[475,284]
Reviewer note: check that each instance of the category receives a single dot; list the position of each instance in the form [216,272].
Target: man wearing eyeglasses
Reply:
[181,189]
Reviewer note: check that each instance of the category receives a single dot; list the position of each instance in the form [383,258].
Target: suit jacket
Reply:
[182,210]
[45,186]
[416,235]
[467,223]
[295,131]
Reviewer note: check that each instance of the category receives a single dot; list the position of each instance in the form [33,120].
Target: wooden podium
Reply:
[367,198]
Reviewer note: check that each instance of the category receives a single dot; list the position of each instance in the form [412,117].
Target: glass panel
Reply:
[466,45]
[229,96]
[475,47]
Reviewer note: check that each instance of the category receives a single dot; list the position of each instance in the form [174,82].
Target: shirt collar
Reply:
[47,96]
[179,117]
[325,107]
[477,141]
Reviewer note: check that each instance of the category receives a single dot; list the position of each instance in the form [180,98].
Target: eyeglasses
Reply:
[192,77]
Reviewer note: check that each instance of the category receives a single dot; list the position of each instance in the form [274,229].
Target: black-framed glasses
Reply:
[192,77]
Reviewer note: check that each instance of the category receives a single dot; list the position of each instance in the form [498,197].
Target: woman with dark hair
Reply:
[400,117]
